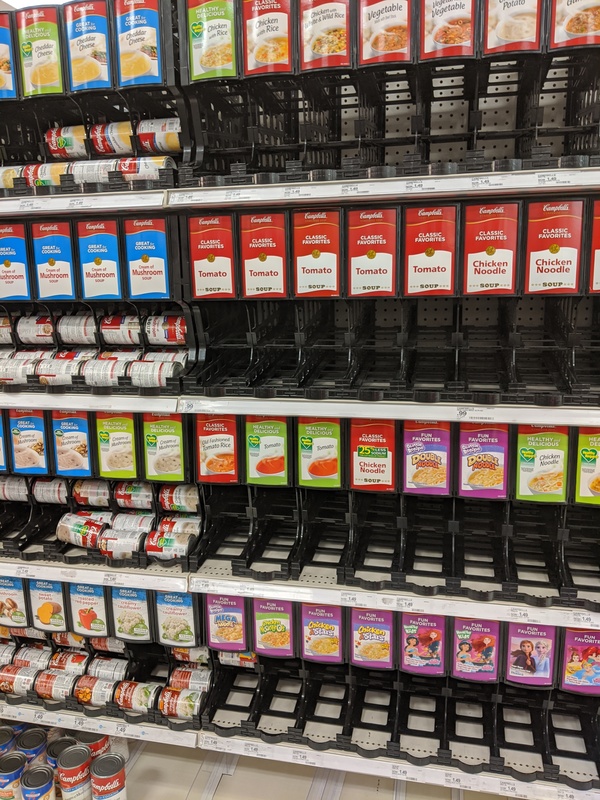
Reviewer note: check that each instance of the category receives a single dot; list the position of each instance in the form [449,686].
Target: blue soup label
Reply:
[53,260]
[147,262]
[8,65]
[138,42]
[87,45]
[175,619]
[71,437]
[88,610]
[28,442]
[14,264]
[99,260]
[3,464]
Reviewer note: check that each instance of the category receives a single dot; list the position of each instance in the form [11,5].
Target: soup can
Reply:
[120,329]
[17,727]
[120,745]
[112,669]
[44,174]
[113,138]
[159,135]
[191,655]
[12,766]
[5,331]
[135,696]
[173,356]
[92,171]
[70,662]
[14,489]
[35,330]
[67,639]
[32,743]
[108,644]
[37,783]
[146,168]
[54,684]
[80,531]
[73,769]
[8,739]
[108,777]
[7,652]
[67,142]
[193,678]
[77,329]
[51,491]
[168,329]
[38,657]
[134,495]
[148,374]
[91,493]
[99,743]
[96,692]
[121,544]
[179,523]
[56,748]
[179,703]
[104,373]
[134,522]
[165,546]
[8,175]
[179,498]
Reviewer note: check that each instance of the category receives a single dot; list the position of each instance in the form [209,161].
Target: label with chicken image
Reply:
[447,28]
[47,605]
[322,633]
[554,233]
[14,261]
[267,31]
[28,442]
[13,612]
[212,256]
[147,260]
[429,250]
[324,34]
[372,247]
[264,255]
[71,436]
[53,259]
[99,260]
[543,452]
[88,609]
[86,25]
[490,248]
[384,31]
[317,253]
[139,57]
[226,622]
[8,64]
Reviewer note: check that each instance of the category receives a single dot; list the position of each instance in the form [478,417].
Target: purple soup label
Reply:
[273,628]
[427,457]
[322,633]
[225,622]
[372,638]
[476,644]
[423,644]
[483,461]
[581,662]
[530,654]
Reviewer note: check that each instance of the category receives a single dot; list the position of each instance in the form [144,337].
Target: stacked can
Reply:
[37,783]
[52,754]
[32,743]
[73,769]
[108,777]
[12,766]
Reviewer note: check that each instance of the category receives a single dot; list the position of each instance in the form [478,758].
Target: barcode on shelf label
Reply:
[474,414]
[302,757]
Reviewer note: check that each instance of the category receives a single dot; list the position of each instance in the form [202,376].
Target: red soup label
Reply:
[447,28]
[554,247]
[574,23]
[217,447]
[264,254]
[211,256]
[511,28]
[429,250]
[372,245]
[373,455]
[595,254]
[267,28]
[324,34]
[317,253]
[384,31]
[490,242]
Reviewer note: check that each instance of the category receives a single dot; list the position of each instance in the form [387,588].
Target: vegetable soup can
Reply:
[108,777]
[74,778]
[11,770]
[37,783]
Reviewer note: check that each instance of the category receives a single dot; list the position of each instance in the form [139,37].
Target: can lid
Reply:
[74,757]
[107,765]
[32,738]
[37,776]
[86,737]
[12,762]
[6,734]
[56,747]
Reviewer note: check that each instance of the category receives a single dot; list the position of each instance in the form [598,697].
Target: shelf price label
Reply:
[508,788]
[452,780]
[303,757]
[399,773]
[354,599]
[29,204]
[585,619]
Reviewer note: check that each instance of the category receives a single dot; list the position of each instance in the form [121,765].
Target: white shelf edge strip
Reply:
[89,402]
[432,775]
[65,203]
[112,727]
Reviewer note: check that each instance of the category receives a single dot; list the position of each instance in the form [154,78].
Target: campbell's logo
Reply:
[79,777]
[81,9]
[495,210]
[315,215]
[95,226]
[371,215]
[209,220]
[430,212]
[34,15]
[49,228]
[6,229]
[133,3]
[100,785]
[142,223]
[259,220]
[559,207]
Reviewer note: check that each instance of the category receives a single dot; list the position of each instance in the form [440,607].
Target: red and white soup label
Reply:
[372,245]
[384,31]
[212,256]
[429,250]
[554,232]
[595,253]
[317,251]
[490,245]
[574,23]
[511,26]
[447,28]
[264,254]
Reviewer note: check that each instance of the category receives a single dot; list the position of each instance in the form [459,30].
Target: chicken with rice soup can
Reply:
[73,770]
[32,743]
[12,766]
[108,777]
[37,783]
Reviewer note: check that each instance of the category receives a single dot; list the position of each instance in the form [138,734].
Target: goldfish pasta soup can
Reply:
[37,783]
[159,135]
[99,743]
[7,739]
[11,771]
[32,743]
[108,777]
[73,768]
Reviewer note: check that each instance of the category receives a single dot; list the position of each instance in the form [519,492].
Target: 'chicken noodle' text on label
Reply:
[554,232]
[429,250]
[373,454]
[490,248]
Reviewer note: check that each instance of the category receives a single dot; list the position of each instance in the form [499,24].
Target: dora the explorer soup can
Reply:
[40,51]
[139,45]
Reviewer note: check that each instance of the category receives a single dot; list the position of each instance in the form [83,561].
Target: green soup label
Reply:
[40,54]
[267,451]
[116,445]
[587,486]
[319,452]
[163,447]
[542,456]
[211,39]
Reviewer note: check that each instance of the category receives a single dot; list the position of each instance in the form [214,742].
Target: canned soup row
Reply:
[89,260]
[387,252]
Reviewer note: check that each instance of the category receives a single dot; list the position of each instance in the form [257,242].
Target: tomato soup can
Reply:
[7,740]
[74,773]
[37,783]
[32,743]
[67,142]
[159,135]
[11,770]
[99,743]
[113,138]
[95,692]
[163,330]
[108,777]
[54,684]
[91,493]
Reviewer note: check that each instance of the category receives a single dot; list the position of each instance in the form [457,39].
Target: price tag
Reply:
[453,780]
[399,773]
[354,599]
[247,589]
[415,186]
[584,618]
[405,603]
[30,205]
[200,585]
[303,757]
[23,572]
[109,579]
[518,614]
[566,794]
[508,788]
[250,749]
[77,722]
[349,189]
[120,729]
[475,414]
[69,574]
[38,716]
[292,191]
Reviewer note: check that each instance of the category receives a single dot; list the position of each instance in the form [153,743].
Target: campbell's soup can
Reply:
[91,493]
[134,696]
[54,684]
[134,495]
[95,692]
[12,766]
[92,171]
[44,174]
[120,745]
[35,330]
[17,680]
[38,657]
[77,329]
[113,138]
[7,652]
[99,743]
[73,769]
[192,655]
[73,663]
[144,169]
[8,175]
[37,783]
[179,498]
[159,135]
[67,639]
[120,329]
[166,330]
[7,739]
[111,669]
[109,644]
[179,703]
[191,678]
[56,748]
[53,490]
[32,743]
[108,777]
[68,142]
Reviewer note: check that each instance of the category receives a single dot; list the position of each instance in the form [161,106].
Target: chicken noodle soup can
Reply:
[267,37]
[319,453]
[14,261]
[373,455]
[530,654]
[73,770]
[542,461]
[108,777]
[8,63]
[273,628]
[317,253]
[267,451]
[423,644]
[427,457]
[225,622]
[159,135]
[372,252]
[32,743]
[100,262]
[12,766]
[372,645]
[40,52]
[264,254]
[491,248]
[587,488]
[430,250]
[217,448]
[324,34]
[554,241]
[54,684]
[322,633]
[134,696]
[476,650]
[179,498]
[139,42]
[580,669]
[17,680]
[384,32]
[147,259]
[212,255]
[484,462]
[95,692]
[88,48]
[511,29]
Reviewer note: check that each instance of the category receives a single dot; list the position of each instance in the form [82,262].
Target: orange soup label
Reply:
[319,464]
[217,448]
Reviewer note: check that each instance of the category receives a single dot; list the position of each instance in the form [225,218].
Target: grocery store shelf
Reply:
[163,579]
[90,402]
[480,184]
[112,727]
[76,203]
